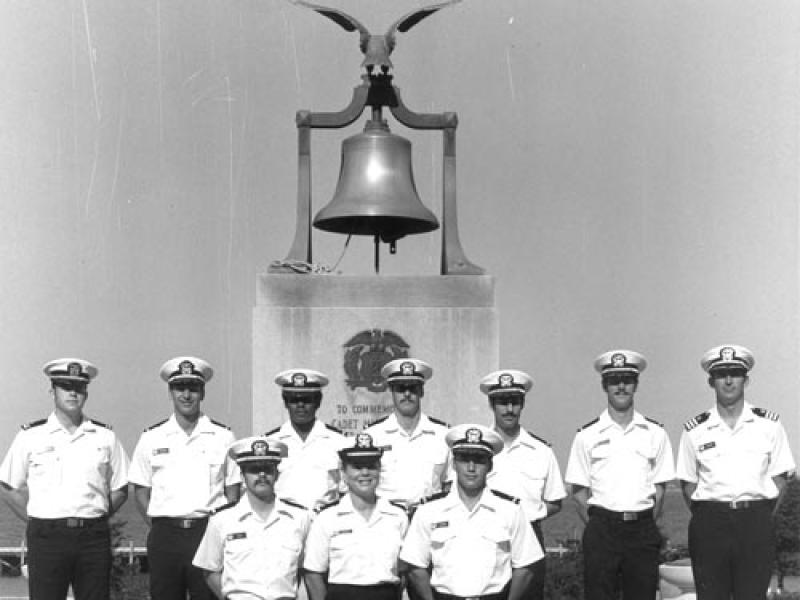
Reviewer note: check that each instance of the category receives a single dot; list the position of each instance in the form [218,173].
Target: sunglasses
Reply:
[72,386]
[256,468]
[188,386]
[621,379]
[724,373]
[513,399]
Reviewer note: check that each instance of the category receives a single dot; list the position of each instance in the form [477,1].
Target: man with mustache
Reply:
[252,547]
[181,473]
[526,467]
[733,463]
[416,458]
[352,548]
[618,469]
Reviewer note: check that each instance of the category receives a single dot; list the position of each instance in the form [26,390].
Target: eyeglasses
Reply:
[479,458]
[190,386]
[72,386]
[256,468]
[724,373]
[300,398]
[401,388]
[621,379]
[513,399]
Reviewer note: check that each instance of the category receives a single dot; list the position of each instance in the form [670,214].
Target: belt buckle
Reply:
[630,516]
[186,523]
[739,504]
[73,522]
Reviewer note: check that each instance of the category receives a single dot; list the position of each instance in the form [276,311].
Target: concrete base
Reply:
[349,326]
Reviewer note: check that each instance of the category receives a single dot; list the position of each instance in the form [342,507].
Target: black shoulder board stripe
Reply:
[323,507]
[695,421]
[218,424]
[223,507]
[159,424]
[398,504]
[654,422]
[332,428]
[34,424]
[272,431]
[99,424]
[381,420]
[589,424]
[433,497]
[766,414]
[505,496]
[536,437]
[293,503]
[437,421]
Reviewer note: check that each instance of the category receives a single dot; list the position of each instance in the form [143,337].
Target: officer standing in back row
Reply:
[310,472]
[76,475]
[733,462]
[415,456]
[618,469]
[526,467]
[181,473]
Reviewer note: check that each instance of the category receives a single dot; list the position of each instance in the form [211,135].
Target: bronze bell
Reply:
[376,194]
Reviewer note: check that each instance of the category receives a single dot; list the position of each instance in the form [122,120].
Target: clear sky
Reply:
[628,171]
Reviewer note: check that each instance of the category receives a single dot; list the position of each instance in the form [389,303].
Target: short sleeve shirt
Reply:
[354,550]
[310,474]
[734,464]
[620,465]
[187,474]
[67,474]
[527,469]
[472,552]
[257,558]
[413,466]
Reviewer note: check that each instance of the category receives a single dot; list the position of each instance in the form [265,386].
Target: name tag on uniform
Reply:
[47,449]
[601,442]
[386,448]
[341,532]
[440,524]
[707,446]
[157,451]
[239,535]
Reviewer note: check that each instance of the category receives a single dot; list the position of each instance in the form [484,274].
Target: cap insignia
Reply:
[727,354]
[506,380]
[473,435]
[618,360]
[407,368]
[259,448]
[363,440]
[299,380]
[186,367]
[74,369]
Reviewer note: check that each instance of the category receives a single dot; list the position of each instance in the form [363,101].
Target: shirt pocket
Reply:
[44,469]
[600,452]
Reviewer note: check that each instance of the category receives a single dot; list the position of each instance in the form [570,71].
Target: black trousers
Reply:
[620,554]
[64,552]
[539,567]
[170,550]
[732,551]
[339,591]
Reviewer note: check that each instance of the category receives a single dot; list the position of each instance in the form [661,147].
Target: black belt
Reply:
[625,516]
[72,522]
[497,596]
[180,522]
[733,505]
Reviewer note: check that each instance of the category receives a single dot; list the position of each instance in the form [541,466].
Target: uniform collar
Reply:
[605,421]
[453,500]
[203,425]
[715,419]
[53,424]
[523,439]
[317,430]
[423,426]
[345,506]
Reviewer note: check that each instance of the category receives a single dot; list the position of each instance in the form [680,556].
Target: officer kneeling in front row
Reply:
[353,545]
[477,541]
[251,548]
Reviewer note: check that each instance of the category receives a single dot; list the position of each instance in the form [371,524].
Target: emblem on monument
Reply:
[366,353]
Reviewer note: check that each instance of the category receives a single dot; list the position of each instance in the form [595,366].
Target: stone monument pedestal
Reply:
[349,326]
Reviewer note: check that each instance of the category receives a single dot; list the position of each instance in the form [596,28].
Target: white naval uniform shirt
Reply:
[472,552]
[527,469]
[310,474]
[187,474]
[67,474]
[412,466]
[621,466]
[258,559]
[734,464]
[353,550]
